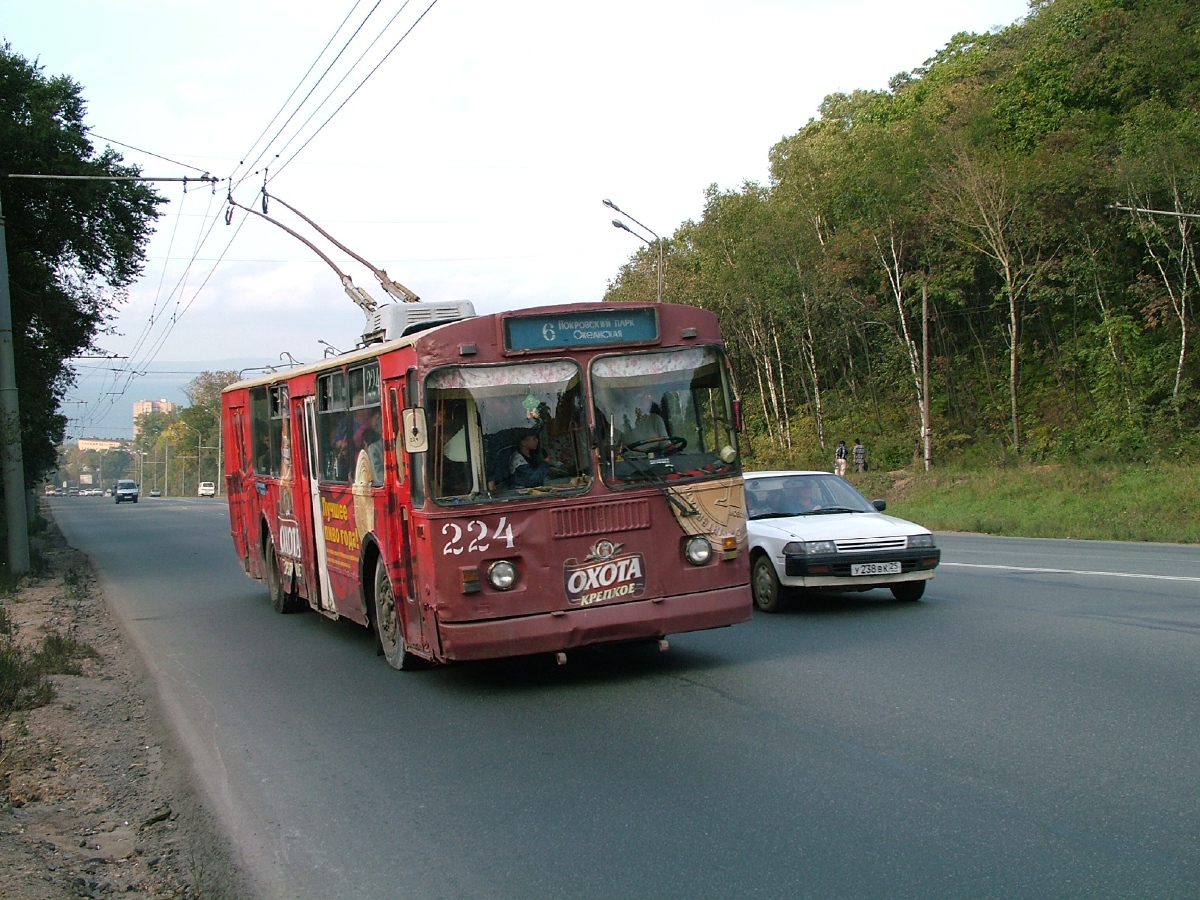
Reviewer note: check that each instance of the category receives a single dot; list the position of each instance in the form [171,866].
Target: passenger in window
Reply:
[372,440]
[262,454]
[337,467]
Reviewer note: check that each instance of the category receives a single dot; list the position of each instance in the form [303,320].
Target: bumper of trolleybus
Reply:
[551,632]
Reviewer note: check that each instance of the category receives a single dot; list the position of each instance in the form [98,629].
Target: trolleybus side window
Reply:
[333,427]
[260,439]
[277,425]
[350,423]
[366,416]
[663,414]
[417,483]
[480,416]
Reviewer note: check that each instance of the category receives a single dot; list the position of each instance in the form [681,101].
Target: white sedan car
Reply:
[813,530]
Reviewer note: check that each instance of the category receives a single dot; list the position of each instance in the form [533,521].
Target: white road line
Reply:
[1190,578]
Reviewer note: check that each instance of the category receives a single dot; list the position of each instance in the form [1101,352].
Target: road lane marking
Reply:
[1189,578]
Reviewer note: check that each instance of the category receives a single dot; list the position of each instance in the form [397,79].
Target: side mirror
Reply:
[880,505]
[416,436]
[737,416]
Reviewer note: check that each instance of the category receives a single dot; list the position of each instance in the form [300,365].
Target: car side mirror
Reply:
[880,505]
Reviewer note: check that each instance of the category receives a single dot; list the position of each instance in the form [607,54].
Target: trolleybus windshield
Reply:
[480,416]
[663,415]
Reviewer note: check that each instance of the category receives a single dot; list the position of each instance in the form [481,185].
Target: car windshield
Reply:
[664,415]
[776,496]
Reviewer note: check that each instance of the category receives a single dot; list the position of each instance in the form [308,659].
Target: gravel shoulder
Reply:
[96,799]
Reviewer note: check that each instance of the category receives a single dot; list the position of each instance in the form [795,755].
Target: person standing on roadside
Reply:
[860,456]
[839,460]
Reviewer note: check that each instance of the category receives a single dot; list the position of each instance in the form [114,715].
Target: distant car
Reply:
[155,492]
[206,489]
[125,490]
[813,530]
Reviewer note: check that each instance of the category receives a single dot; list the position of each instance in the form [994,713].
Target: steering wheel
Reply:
[667,445]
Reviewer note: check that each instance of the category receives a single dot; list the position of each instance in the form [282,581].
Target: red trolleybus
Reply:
[524,482]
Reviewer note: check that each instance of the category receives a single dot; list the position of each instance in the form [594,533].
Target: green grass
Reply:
[1159,503]
[23,683]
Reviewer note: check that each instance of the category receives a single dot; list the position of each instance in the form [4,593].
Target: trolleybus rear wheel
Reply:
[281,600]
[389,635]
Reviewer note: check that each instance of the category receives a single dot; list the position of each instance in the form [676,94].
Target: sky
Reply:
[471,164]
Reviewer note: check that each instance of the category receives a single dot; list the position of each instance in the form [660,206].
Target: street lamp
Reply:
[657,243]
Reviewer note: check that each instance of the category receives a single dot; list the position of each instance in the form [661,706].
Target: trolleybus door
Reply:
[325,598]
[402,500]
[235,487]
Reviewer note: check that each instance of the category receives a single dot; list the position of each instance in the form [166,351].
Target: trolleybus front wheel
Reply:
[389,634]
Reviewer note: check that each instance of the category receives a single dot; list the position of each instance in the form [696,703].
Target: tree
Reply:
[204,415]
[1160,171]
[73,246]
[982,201]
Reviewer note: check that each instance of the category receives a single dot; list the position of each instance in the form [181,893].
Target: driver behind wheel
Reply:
[639,422]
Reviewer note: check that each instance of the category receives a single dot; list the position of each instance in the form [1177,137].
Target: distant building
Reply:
[100,444]
[141,407]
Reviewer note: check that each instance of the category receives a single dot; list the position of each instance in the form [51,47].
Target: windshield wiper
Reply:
[684,507]
[825,510]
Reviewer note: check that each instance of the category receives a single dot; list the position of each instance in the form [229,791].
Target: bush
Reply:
[23,683]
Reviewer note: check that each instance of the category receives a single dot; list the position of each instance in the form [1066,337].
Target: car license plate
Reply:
[888,568]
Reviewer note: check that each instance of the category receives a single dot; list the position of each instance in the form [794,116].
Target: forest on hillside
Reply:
[1017,217]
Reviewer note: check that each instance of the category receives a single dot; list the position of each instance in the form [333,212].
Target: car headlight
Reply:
[698,551]
[807,548]
[920,540]
[502,575]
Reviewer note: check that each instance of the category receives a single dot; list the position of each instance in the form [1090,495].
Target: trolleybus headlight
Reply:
[698,551]
[502,575]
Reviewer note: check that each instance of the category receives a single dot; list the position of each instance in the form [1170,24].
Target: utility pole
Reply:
[13,462]
[925,437]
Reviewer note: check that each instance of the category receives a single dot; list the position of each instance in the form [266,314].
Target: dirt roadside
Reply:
[95,798]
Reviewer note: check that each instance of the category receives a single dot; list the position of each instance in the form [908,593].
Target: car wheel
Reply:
[764,583]
[909,591]
[389,630]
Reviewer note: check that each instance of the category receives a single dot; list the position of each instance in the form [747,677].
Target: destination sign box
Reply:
[586,329]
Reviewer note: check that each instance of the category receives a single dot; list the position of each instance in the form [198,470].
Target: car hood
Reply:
[834,527]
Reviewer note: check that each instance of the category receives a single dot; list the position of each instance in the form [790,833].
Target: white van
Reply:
[125,490]
[206,489]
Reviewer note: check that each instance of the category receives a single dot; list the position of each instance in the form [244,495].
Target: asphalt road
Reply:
[1030,729]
